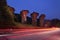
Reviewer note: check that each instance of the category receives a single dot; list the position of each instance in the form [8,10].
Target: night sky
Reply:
[49,7]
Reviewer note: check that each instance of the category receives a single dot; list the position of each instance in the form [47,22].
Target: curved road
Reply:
[33,34]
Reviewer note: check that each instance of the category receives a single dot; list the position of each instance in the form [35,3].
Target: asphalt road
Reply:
[33,34]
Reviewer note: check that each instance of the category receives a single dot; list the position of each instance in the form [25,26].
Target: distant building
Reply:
[23,15]
[34,16]
[47,24]
[41,20]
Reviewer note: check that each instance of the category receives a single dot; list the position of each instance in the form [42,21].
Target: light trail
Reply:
[32,30]
[44,33]
[33,33]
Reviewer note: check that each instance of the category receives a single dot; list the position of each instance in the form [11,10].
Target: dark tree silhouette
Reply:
[6,16]
[55,22]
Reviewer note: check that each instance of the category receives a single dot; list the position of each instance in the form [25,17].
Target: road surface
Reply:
[33,34]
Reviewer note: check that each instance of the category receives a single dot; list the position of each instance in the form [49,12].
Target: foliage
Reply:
[58,24]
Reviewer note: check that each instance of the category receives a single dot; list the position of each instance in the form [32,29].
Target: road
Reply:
[33,34]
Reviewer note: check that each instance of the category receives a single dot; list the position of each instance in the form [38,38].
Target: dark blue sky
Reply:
[49,7]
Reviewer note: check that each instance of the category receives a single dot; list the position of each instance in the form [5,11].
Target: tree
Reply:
[6,16]
[55,22]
